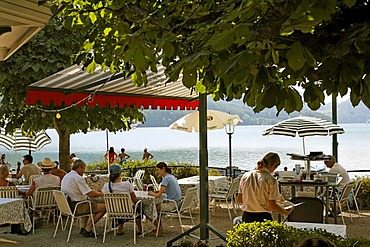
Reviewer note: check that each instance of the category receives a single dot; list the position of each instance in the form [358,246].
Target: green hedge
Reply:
[178,169]
[364,194]
[274,234]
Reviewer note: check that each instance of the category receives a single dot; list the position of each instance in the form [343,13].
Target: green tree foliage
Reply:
[49,52]
[259,51]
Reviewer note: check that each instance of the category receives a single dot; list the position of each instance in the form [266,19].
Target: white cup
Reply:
[316,177]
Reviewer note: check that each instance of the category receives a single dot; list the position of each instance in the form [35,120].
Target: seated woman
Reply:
[170,186]
[115,185]
[4,173]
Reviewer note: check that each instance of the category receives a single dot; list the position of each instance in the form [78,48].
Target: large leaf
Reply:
[296,59]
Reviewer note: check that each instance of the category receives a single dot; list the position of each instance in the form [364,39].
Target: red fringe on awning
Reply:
[58,99]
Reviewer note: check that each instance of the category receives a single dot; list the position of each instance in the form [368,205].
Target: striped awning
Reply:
[304,126]
[18,141]
[73,84]
[20,20]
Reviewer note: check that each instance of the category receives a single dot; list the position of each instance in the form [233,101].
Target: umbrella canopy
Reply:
[304,126]
[215,120]
[18,141]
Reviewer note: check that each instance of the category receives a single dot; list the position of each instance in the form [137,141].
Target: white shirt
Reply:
[75,186]
[257,188]
[120,187]
[47,180]
[338,169]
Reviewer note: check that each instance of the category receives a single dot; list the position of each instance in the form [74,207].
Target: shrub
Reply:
[364,193]
[179,169]
[274,234]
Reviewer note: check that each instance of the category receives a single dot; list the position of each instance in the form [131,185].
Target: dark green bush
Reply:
[274,234]
[364,193]
[179,169]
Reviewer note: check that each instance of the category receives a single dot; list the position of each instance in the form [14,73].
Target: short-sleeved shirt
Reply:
[75,186]
[257,188]
[120,187]
[47,180]
[338,169]
[173,190]
[30,169]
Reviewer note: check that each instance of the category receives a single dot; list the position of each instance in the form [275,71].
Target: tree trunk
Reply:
[64,146]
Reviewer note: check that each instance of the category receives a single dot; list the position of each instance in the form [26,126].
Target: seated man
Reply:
[28,169]
[337,169]
[45,180]
[75,186]
[344,178]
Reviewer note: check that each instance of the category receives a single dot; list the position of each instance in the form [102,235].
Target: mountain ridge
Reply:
[346,113]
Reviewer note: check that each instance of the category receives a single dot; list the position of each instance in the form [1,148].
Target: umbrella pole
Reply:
[334,120]
[304,147]
[107,138]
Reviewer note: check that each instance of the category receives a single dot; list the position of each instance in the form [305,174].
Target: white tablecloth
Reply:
[213,181]
[13,211]
[149,203]
[339,230]
[96,182]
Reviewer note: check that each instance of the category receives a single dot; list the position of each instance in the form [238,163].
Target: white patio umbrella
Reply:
[18,141]
[215,120]
[304,126]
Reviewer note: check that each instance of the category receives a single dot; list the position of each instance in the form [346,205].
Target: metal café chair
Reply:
[43,200]
[119,206]
[227,196]
[65,209]
[355,191]
[8,192]
[137,179]
[186,206]
[155,184]
[343,198]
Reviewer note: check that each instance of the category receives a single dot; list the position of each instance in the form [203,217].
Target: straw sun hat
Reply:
[47,164]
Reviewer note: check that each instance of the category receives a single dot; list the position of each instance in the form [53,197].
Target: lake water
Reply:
[248,146]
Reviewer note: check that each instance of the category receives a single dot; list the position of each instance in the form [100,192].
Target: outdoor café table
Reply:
[316,185]
[339,230]
[186,183]
[23,188]
[13,211]
[149,203]
[96,182]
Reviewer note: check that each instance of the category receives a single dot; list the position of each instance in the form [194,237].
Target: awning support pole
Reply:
[204,227]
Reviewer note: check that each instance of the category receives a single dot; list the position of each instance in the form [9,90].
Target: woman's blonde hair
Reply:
[268,160]
[4,171]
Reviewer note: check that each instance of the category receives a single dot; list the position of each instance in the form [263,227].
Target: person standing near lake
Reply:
[147,155]
[123,156]
[110,155]
[259,191]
